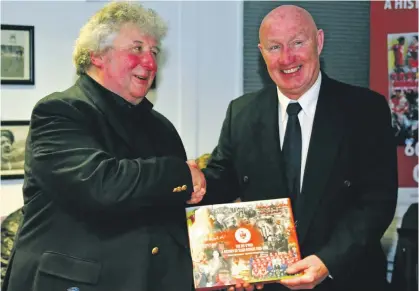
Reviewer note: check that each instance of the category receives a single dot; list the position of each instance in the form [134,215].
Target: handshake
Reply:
[198,181]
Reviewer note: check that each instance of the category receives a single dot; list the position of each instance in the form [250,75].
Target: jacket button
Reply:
[155,250]
[347,183]
[245,179]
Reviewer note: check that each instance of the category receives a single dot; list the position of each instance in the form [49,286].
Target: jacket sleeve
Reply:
[72,167]
[376,194]
[222,184]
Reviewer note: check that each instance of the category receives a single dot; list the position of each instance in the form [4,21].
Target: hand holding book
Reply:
[314,272]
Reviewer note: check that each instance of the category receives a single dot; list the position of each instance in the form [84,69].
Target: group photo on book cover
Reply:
[242,242]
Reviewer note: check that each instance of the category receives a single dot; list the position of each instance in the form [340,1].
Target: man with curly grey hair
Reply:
[106,178]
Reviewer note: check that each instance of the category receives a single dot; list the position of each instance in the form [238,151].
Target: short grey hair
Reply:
[99,32]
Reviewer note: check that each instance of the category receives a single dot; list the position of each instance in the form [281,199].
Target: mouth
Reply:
[141,78]
[6,150]
[292,70]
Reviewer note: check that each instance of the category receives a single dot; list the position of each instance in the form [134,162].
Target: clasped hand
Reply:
[198,181]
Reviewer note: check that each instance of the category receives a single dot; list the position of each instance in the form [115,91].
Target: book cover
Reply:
[241,242]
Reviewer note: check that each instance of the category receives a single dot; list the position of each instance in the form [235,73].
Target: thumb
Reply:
[192,163]
[298,267]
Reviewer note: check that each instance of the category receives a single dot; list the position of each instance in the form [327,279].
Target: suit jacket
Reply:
[349,191]
[105,189]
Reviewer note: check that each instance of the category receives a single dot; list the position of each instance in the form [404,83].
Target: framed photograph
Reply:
[17,55]
[13,142]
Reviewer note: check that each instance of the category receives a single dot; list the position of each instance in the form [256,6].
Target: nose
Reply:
[286,57]
[148,61]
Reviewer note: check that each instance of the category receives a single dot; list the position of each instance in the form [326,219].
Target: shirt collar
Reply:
[308,100]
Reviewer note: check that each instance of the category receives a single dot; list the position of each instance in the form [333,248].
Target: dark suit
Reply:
[349,189]
[103,189]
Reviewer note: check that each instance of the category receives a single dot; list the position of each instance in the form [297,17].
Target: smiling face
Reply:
[6,148]
[291,45]
[129,67]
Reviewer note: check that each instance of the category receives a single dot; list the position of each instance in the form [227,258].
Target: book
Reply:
[241,242]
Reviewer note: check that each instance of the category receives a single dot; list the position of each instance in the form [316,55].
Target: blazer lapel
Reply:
[265,133]
[324,142]
[99,99]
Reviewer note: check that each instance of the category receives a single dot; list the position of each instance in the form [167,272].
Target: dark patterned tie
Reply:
[292,150]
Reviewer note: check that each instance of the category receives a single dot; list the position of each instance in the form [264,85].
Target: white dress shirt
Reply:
[308,102]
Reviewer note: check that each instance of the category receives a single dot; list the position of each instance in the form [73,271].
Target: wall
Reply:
[200,74]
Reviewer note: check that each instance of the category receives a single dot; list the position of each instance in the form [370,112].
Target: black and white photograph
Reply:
[13,140]
[17,55]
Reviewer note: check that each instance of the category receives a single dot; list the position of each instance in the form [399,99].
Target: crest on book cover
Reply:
[242,235]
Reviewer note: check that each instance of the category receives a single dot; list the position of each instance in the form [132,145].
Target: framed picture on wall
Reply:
[13,141]
[17,55]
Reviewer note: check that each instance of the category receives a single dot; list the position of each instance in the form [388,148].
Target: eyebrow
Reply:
[141,42]
[301,33]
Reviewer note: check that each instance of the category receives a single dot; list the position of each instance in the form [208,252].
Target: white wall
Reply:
[201,73]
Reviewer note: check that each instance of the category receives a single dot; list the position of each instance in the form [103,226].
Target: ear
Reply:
[96,59]
[260,47]
[320,41]
[262,52]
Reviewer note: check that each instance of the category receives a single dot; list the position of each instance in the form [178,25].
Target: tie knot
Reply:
[293,108]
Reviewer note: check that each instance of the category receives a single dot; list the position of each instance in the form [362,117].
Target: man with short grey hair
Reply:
[327,146]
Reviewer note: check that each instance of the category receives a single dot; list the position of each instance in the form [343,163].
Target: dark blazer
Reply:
[349,190]
[105,189]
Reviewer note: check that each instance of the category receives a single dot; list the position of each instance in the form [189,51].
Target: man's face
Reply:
[6,148]
[291,48]
[129,67]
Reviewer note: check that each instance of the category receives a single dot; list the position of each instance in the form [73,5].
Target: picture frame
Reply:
[13,143]
[17,54]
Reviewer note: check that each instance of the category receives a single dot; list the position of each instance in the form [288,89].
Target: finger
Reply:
[290,282]
[298,267]
[231,289]
[193,200]
[306,279]
[248,287]
[259,286]
[303,287]
[203,180]
[202,192]
[192,163]
[196,188]
[199,194]
[239,287]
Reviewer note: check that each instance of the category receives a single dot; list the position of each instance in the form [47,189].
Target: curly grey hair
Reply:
[99,32]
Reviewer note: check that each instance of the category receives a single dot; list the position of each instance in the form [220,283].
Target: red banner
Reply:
[393,73]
